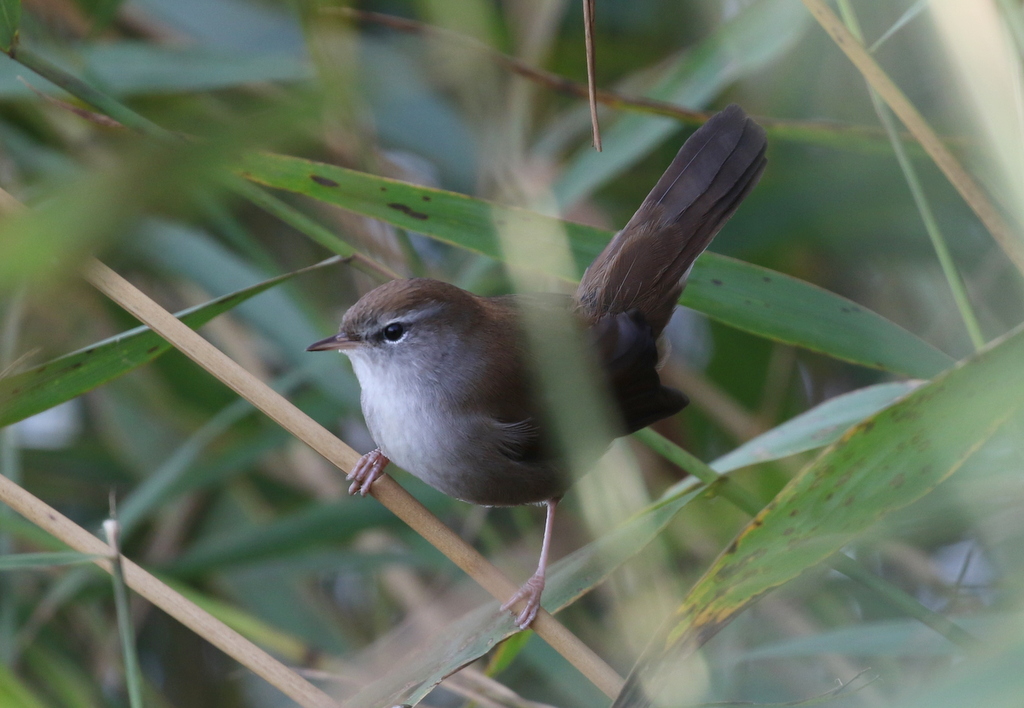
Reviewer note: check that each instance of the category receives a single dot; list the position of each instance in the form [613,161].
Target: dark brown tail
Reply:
[645,266]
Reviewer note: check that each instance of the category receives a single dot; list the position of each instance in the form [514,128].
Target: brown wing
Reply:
[645,265]
[628,351]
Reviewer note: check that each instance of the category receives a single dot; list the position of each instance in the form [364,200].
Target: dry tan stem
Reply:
[185,611]
[385,490]
[916,124]
[588,30]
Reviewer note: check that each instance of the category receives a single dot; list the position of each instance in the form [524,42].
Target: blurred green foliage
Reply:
[252,526]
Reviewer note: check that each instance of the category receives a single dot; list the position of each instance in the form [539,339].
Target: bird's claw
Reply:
[530,591]
[369,467]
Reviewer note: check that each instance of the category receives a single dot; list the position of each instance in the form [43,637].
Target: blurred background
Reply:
[253,525]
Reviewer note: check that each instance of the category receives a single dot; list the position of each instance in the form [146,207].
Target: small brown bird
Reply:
[447,385]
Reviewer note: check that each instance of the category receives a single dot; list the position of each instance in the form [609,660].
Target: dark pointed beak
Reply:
[337,342]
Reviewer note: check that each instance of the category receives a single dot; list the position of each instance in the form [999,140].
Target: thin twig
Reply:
[556,82]
[588,34]
[931,224]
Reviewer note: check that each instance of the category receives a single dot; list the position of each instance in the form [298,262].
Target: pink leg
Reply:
[532,589]
[369,467]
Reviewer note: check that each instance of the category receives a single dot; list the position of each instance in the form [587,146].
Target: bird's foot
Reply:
[530,591]
[369,467]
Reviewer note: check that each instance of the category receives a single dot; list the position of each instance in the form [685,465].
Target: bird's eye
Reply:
[394,331]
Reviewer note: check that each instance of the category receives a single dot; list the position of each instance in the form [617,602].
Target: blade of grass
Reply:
[815,428]
[158,487]
[10,467]
[956,284]
[10,21]
[911,12]
[961,180]
[71,375]
[22,561]
[85,91]
[125,628]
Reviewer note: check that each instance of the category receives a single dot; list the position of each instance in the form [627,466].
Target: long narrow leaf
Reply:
[20,561]
[742,295]
[47,385]
[883,464]
[818,427]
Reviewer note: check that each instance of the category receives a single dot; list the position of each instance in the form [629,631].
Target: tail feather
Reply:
[645,265]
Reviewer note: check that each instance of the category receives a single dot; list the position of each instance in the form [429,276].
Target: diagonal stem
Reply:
[931,225]
[385,490]
[961,180]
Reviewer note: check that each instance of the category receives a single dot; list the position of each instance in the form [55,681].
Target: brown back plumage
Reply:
[645,266]
[628,293]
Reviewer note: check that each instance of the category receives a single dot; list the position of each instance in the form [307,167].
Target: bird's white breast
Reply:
[407,417]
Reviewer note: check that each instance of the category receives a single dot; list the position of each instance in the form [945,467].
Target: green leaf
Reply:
[129,68]
[19,561]
[70,686]
[759,33]
[10,20]
[251,627]
[902,637]
[71,375]
[785,309]
[14,694]
[313,526]
[991,679]
[479,631]
[745,296]
[818,427]
[881,465]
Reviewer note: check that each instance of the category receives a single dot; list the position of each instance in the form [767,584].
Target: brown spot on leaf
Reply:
[716,281]
[76,365]
[898,480]
[425,198]
[383,189]
[732,547]
[408,210]
[766,279]
[828,497]
[794,512]
[153,349]
[789,531]
[324,181]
